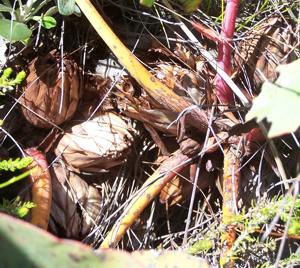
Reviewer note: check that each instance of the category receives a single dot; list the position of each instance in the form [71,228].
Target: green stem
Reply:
[15,179]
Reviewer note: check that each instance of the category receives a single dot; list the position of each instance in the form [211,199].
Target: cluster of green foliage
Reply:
[15,164]
[6,82]
[17,27]
[292,261]
[249,225]
[15,207]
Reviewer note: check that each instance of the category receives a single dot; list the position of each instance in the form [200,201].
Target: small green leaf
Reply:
[66,7]
[13,30]
[279,103]
[48,22]
[147,3]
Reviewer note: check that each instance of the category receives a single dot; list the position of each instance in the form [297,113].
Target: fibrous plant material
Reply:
[96,145]
[153,86]
[41,188]
[76,203]
[52,92]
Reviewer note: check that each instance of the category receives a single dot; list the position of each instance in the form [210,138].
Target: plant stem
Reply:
[15,179]
[223,91]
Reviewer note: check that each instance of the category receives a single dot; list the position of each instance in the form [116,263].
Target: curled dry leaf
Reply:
[97,144]
[179,189]
[76,204]
[52,93]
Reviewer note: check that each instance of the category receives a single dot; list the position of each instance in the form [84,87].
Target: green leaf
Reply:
[6,73]
[19,78]
[16,207]
[66,7]
[147,3]
[4,8]
[279,103]
[24,245]
[294,227]
[6,81]
[48,22]
[14,31]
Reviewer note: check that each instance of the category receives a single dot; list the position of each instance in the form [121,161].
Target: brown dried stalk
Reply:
[151,188]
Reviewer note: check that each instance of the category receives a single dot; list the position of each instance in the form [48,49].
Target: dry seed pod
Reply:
[52,94]
[75,205]
[97,144]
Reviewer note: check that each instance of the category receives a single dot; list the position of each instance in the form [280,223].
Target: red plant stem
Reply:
[223,91]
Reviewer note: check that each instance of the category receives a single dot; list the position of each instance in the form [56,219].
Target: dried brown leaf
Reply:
[97,144]
[76,204]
